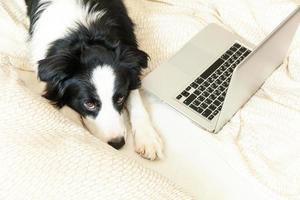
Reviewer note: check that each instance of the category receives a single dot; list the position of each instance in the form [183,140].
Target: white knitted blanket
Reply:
[43,155]
[261,142]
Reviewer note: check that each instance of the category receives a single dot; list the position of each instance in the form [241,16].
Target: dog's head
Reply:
[95,80]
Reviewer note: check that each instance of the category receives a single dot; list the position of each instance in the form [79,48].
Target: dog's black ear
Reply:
[55,70]
[134,60]
[133,57]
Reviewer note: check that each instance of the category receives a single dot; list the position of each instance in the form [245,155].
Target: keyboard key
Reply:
[211,117]
[214,76]
[196,103]
[225,56]
[227,64]
[232,60]
[197,92]
[225,84]
[206,113]
[188,88]
[199,80]
[185,94]
[236,56]
[206,84]
[212,97]
[215,112]
[208,101]
[194,85]
[238,53]
[222,88]
[210,90]
[218,82]
[241,58]
[201,88]
[215,85]
[210,79]
[237,45]
[212,68]
[205,94]
[179,97]
[189,99]
[204,105]
[199,110]
[247,53]
[219,72]
[217,92]
[201,98]
[217,103]
[229,52]
[212,107]
[222,77]
[234,64]
[223,68]
[227,73]
[193,107]
[241,52]
[243,49]
[221,98]
[233,48]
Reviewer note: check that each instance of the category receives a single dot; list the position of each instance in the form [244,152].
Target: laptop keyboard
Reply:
[207,93]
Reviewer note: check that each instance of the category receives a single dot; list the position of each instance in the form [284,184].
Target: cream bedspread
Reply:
[262,141]
[45,156]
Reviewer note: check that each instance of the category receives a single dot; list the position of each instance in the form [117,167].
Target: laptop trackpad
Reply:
[192,60]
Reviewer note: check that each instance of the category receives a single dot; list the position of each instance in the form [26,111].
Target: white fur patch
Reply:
[109,123]
[57,19]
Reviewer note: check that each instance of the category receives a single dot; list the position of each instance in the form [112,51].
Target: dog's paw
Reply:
[148,142]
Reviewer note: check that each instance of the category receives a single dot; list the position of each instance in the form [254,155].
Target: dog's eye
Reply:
[91,106]
[120,100]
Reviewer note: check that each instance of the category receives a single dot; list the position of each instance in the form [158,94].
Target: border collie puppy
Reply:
[87,54]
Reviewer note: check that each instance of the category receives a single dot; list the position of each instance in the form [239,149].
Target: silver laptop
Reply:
[217,72]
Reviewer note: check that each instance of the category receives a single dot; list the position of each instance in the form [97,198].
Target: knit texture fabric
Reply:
[44,155]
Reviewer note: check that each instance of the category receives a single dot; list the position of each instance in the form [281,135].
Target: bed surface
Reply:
[257,154]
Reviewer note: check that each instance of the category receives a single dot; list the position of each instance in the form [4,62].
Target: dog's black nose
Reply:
[117,143]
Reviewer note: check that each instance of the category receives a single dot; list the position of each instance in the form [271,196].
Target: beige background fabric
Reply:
[258,152]
[262,140]
[44,156]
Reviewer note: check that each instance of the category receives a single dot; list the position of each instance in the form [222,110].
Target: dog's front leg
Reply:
[147,141]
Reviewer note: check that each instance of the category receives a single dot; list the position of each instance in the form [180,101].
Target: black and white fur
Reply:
[86,53]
